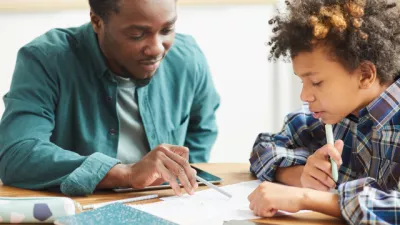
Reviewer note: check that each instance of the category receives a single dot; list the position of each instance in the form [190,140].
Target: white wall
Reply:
[254,97]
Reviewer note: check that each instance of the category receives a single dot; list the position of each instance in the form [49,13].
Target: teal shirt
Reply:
[60,126]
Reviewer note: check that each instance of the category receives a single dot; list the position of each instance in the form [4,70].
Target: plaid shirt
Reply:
[370,171]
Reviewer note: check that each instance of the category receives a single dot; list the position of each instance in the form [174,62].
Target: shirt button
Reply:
[109,98]
[113,131]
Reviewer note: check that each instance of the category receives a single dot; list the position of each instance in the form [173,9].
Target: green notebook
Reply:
[116,214]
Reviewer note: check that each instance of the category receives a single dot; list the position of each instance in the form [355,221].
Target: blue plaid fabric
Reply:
[370,171]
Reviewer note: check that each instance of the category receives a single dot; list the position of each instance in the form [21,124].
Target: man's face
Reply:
[330,90]
[136,39]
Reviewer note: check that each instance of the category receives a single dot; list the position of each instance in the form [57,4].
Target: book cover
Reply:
[116,214]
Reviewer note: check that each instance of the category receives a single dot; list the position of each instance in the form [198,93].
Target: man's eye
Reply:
[136,37]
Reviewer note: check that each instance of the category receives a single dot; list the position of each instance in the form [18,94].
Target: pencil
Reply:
[210,185]
[140,198]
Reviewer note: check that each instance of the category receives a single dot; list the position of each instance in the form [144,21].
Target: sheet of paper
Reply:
[206,207]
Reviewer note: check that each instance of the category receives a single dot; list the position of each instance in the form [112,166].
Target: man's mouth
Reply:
[149,62]
[150,65]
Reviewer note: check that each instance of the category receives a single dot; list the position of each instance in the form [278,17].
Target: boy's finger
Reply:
[339,146]
[335,154]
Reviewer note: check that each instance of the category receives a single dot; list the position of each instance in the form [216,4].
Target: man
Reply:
[86,105]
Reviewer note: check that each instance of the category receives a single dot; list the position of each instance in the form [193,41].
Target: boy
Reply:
[346,52]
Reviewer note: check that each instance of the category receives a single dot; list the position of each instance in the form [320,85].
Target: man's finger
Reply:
[158,182]
[184,164]
[171,178]
[195,185]
[186,183]
[179,150]
[179,172]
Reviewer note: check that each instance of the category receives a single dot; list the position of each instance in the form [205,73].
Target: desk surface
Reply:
[230,172]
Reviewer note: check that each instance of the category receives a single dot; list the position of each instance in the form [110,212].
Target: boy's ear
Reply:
[368,74]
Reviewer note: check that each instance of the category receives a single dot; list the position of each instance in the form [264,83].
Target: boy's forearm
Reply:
[322,202]
[289,175]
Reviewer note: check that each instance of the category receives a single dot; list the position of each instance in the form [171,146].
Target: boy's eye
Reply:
[316,84]
[167,30]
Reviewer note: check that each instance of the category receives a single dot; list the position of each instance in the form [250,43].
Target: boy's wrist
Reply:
[320,201]
[290,175]
[305,198]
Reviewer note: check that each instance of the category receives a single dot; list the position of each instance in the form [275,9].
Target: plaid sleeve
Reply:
[362,201]
[284,149]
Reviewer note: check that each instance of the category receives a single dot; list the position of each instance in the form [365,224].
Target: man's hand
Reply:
[164,163]
[317,173]
[268,198]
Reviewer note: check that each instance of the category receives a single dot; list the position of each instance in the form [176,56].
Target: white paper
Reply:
[206,207]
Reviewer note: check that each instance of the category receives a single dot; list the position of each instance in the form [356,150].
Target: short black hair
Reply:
[356,31]
[103,8]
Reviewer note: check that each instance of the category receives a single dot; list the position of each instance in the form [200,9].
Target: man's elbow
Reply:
[5,175]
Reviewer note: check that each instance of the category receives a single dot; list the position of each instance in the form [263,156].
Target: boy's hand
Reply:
[317,173]
[268,198]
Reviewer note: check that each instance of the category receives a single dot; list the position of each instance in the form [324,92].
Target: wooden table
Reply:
[231,173]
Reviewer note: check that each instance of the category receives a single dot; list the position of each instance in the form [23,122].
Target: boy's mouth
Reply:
[317,115]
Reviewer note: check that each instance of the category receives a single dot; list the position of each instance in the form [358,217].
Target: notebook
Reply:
[116,214]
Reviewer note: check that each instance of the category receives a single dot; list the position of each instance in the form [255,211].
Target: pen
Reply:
[210,185]
[140,198]
[329,139]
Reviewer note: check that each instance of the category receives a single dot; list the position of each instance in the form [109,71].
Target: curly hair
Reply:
[103,8]
[354,30]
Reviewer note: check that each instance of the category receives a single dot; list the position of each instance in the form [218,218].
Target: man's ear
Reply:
[97,22]
[368,74]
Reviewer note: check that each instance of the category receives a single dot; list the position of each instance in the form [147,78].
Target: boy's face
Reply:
[331,91]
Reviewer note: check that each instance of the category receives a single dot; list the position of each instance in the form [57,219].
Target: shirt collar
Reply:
[383,108]
[93,49]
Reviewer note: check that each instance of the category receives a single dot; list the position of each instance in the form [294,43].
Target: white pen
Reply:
[140,198]
[210,185]
[330,140]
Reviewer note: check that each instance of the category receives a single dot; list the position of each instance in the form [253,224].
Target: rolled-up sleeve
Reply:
[364,202]
[289,147]
[28,158]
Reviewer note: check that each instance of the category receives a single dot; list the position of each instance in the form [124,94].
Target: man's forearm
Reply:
[322,202]
[116,177]
[289,175]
